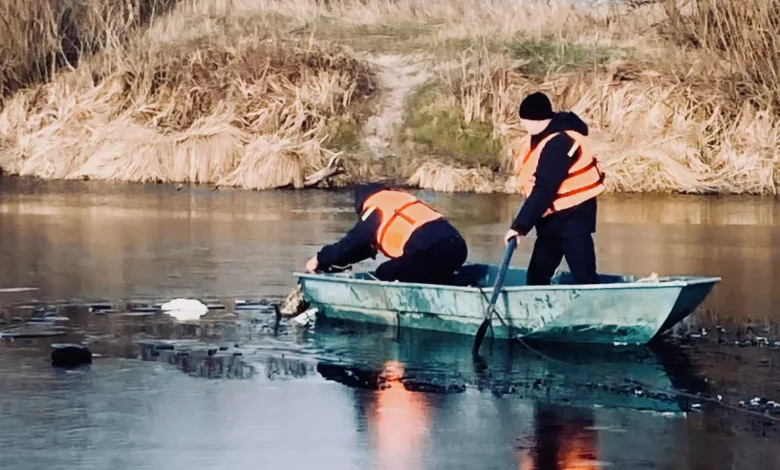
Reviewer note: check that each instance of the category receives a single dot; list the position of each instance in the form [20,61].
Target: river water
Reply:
[344,396]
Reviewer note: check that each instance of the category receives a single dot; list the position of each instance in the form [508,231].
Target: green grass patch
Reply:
[542,56]
[434,125]
[343,135]
[395,37]
[549,56]
[452,47]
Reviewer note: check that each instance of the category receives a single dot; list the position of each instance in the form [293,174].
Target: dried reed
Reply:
[204,91]
[251,115]
[439,176]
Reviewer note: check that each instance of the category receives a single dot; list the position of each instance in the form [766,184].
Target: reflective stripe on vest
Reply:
[401,214]
[584,181]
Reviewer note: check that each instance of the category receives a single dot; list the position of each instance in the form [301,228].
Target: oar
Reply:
[496,289]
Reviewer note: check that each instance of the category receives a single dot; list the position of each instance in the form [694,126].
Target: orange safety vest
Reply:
[402,214]
[584,181]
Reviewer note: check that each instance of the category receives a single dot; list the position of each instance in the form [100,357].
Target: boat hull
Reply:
[616,311]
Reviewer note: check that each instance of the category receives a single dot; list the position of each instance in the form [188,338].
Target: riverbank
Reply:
[264,94]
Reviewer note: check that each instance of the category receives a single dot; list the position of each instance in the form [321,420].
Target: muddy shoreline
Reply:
[394,181]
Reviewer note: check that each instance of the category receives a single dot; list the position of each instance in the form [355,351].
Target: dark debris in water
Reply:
[143,307]
[100,307]
[740,339]
[761,405]
[743,332]
[198,360]
[70,355]
[351,377]
[162,346]
[416,385]
[144,310]
[241,304]
[103,312]
[103,308]
[276,368]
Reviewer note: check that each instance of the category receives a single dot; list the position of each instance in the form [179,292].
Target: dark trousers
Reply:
[434,265]
[549,252]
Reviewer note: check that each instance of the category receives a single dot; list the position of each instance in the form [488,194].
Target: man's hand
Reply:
[510,234]
[312,264]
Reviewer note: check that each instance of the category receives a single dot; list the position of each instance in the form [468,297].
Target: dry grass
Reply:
[438,176]
[252,115]
[205,91]
[38,37]
[743,36]
[701,120]
[653,131]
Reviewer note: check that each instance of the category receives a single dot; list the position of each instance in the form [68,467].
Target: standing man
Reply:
[422,245]
[560,179]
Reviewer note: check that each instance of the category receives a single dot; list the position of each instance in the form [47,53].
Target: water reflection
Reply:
[413,399]
[410,401]
[638,378]
[544,406]
[398,421]
[101,241]
[419,402]
[565,438]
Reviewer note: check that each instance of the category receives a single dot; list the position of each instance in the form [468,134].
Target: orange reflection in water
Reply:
[578,450]
[526,459]
[400,421]
[574,448]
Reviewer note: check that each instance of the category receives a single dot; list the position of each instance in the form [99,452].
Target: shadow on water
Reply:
[374,357]
[416,399]
[636,378]
[416,393]
[567,406]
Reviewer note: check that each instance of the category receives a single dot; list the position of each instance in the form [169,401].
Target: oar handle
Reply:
[510,248]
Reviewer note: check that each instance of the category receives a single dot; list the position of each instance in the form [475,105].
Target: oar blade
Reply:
[496,289]
[481,332]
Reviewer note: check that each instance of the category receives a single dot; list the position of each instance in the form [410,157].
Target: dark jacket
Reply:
[554,164]
[360,242]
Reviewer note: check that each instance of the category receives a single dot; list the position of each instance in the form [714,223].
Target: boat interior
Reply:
[484,276]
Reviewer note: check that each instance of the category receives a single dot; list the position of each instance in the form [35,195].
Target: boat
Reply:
[619,310]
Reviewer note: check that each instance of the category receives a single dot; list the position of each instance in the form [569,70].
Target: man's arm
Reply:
[554,163]
[354,247]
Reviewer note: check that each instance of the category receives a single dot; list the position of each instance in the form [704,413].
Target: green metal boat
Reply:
[620,310]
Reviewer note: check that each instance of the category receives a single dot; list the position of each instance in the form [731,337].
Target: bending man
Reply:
[422,245]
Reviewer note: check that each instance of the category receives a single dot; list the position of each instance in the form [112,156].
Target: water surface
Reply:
[352,397]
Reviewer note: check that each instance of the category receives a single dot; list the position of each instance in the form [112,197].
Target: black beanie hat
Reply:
[536,107]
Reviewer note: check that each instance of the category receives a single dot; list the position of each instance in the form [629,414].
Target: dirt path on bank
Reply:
[399,76]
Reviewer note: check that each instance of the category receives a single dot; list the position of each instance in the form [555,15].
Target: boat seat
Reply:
[470,275]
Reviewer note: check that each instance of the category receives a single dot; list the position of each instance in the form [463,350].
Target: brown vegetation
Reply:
[39,37]
[679,97]
[253,115]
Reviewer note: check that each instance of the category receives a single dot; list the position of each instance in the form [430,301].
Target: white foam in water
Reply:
[185,309]
[304,318]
